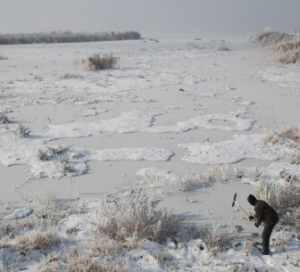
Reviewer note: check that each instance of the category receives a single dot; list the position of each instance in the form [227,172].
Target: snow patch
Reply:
[282,76]
[128,122]
[241,147]
[229,122]
[133,154]
[20,214]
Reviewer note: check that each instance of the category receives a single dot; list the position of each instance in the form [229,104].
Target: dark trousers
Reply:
[266,234]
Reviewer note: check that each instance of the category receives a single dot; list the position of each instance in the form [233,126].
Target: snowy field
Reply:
[189,120]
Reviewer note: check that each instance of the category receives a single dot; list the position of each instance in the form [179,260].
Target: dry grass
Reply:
[98,62]
[288,52]
[136,217]
[292,134]
[77,263]
[36,240]
[279,197]
[216,240]
[104,246]
[196,182]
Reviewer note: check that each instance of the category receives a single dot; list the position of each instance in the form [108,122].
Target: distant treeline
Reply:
[67,37]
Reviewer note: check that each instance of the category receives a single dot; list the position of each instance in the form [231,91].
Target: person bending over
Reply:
[265,214]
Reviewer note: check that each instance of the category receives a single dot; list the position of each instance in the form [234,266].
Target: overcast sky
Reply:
[149,16]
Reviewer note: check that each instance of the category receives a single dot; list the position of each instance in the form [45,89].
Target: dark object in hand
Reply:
[251,217]
[256,225]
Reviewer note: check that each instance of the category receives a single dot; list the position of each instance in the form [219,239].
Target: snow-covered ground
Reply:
[189,120]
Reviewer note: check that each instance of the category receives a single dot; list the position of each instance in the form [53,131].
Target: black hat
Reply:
[252,199]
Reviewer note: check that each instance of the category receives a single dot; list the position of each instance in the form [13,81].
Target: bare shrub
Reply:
[279,197]
[216,240]
[105,246]
[98,62]
[36,240]
[13,229]
[272,37]
[288,52]
[49,211]
[136,216]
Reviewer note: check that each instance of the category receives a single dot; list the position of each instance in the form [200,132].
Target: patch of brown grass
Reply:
[36,240]
[292,134]
[288,52]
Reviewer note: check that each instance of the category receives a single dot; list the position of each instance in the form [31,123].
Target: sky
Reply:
[149,16]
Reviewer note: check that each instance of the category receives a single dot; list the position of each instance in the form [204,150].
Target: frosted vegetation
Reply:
[164,125]
[286,47]
[66,37]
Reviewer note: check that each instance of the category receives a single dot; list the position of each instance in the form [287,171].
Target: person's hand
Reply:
[251,217]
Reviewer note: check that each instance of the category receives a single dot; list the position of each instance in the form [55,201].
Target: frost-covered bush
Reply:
[216,239]
[272,37]
[36,240]
[286,46]
[98,62]
[137,217]
[288,52]
[278,196]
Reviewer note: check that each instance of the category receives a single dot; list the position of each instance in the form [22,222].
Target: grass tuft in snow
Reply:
[37,240]
[136,217]
[217,240]
[104,62]
[76,262]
